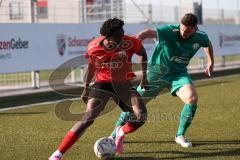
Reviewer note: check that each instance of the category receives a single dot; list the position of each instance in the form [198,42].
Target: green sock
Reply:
[123,118]
[186,118]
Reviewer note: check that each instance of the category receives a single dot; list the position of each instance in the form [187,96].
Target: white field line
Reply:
[36,104]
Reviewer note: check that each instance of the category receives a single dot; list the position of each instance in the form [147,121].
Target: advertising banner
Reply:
[27,47]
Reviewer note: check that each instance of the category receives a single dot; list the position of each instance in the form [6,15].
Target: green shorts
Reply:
[157,83]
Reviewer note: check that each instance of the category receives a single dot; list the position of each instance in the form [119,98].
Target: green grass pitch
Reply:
[34,133]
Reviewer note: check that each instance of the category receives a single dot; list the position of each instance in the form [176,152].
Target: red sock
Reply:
[128,128]
[67,142]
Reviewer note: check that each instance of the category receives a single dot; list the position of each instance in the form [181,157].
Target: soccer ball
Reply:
[104,148]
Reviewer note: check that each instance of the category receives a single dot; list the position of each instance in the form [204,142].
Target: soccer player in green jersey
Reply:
[167,68]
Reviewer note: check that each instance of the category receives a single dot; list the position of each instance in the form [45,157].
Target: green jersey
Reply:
[174,52]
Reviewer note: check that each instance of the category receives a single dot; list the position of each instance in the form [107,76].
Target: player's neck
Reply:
[111,40]
[109,43]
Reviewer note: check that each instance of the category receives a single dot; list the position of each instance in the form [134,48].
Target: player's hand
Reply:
[209,69]
[84,95]
[144,84]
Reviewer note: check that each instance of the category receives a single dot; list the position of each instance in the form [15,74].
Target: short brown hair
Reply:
[189,19]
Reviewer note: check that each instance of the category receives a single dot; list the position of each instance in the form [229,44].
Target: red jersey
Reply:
[113,63]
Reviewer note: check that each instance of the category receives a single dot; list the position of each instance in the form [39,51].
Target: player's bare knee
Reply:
[192,99]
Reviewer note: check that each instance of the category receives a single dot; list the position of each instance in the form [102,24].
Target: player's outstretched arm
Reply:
[143,61]
[89,76]
[210,59]
[147,33]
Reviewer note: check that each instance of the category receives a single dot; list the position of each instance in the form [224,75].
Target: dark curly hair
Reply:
[189,19]
[110,26]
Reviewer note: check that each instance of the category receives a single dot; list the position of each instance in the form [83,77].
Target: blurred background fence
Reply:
[92,11]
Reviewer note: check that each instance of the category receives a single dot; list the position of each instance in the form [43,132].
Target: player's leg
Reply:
[94,107]
[156,86]
[124,116]
[188,95]
[142,96]
[122,119]
[138,116]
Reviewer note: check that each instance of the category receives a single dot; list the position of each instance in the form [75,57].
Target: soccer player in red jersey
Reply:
[109,59]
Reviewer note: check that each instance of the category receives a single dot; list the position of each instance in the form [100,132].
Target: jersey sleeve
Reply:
[91,48]
[88,55]
[205,40]
[137,45]
[162,33]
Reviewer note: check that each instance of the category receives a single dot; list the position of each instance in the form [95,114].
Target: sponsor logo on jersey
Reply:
[182,60]
[117,60]
[112,65]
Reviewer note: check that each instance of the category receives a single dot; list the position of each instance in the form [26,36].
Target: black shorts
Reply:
[121,93]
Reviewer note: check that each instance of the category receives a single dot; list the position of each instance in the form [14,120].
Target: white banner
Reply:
[26,47]
[225,38]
